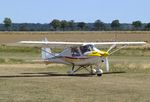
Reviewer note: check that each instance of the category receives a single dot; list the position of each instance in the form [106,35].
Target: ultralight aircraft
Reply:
[84,55]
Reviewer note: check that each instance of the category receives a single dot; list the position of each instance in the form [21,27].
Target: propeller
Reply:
[113,46]
[106,58]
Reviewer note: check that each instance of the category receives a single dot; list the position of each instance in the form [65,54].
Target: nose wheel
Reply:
[99,72]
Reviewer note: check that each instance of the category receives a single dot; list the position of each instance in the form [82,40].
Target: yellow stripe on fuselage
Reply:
[98,54]
[94,53]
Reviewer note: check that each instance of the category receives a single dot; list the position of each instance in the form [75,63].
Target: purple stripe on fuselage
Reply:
[74,57]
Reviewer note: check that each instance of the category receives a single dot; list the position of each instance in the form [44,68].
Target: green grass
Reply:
[133,52]
[22,54]
[12,54]
[16,49]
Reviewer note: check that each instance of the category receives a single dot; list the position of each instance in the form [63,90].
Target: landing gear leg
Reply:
[93,71]
[71,72]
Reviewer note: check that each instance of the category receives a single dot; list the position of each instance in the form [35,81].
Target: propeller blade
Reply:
[111,47]
[118,49]
[107,64]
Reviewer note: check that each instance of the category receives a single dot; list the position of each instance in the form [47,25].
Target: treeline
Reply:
[64,25]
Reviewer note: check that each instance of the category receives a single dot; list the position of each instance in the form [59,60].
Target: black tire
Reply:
[99,75]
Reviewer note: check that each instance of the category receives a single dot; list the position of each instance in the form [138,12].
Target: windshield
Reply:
[86,48]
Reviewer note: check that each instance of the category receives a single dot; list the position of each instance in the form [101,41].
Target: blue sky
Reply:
[43,11]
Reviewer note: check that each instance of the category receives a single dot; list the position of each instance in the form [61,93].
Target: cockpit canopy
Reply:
[81,50]
[86,48]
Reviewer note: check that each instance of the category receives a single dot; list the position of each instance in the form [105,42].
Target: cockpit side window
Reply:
[75,51]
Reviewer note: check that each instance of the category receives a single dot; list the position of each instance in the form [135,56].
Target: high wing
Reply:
[81,43]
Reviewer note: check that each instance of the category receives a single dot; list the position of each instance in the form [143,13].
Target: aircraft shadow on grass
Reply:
[54,74]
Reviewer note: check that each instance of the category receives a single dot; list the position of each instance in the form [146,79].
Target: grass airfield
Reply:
[37,82]
[24,81]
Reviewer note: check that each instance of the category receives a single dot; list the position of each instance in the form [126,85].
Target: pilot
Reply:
[84,49]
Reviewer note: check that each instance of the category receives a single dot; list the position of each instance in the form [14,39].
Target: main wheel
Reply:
[99,72]
[99,75]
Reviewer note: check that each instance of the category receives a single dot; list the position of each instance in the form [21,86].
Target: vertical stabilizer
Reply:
[46,52]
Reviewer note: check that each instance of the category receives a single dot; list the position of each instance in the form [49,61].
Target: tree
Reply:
[71,25]
[23,27]
[115,25]
[147,27]
[81,25]
[137,24]
[64,24]
[99,25]
[7,23]
[56,24]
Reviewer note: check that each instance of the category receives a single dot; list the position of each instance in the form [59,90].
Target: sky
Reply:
[44,11]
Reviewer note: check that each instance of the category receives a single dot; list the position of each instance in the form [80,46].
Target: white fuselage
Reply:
[75,60]
[78,56]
